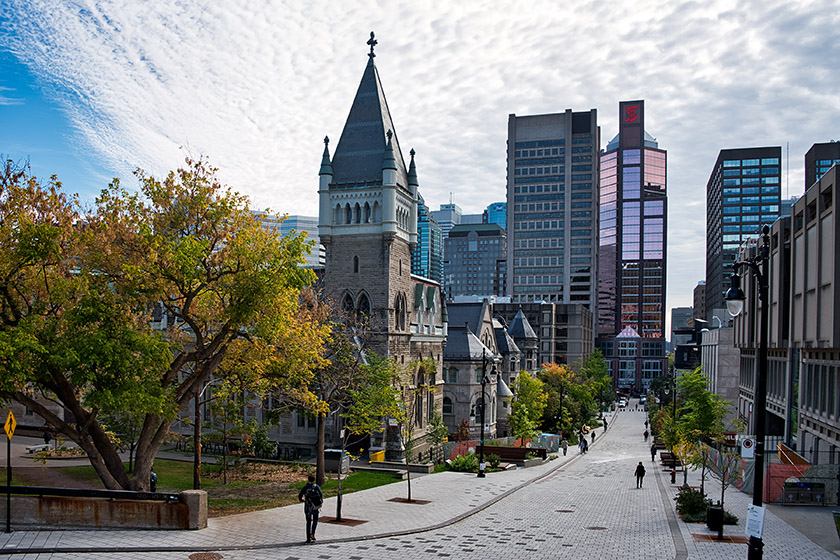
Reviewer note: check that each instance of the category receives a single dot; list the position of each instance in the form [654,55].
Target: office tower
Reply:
[633,215]
[552,221]
[427,257]
[496,213]
[742,194]
[682,319]
[819,159]
[448,216]
[700,300]
[284,226]
[475,260]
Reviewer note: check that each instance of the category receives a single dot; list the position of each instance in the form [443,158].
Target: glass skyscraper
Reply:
[427,258]
[742,194]
[552,182]
[496,213]
[632,252]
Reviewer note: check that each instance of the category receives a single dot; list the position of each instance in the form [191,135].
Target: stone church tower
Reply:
[368,226]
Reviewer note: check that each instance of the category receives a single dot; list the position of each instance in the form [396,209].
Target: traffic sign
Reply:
[747,448]
[10,426]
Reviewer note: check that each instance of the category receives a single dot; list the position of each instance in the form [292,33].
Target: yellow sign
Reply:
[11,424]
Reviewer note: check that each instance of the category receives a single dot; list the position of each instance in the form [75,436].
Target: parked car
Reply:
[622,403]
[643,400]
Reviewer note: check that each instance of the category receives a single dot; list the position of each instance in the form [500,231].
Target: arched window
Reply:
[355,264]
[348,214]
[337,216]
[399,312]
[347,304]
[418,407]
[357,214]
[447,406]
[368,218]
[364,305]
[377,213]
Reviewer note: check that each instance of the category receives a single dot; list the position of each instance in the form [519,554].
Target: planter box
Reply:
[424,468]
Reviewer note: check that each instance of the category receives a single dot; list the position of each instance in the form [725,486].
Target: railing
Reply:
[42,491]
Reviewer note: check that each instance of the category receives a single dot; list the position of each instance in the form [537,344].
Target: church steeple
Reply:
[326,164]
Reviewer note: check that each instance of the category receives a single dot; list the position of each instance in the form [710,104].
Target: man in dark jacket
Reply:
[640,474]
[312,499]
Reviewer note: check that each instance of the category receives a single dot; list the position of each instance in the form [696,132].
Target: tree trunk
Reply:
[320,471]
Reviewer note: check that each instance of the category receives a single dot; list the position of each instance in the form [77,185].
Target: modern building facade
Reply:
[632,252]
[475,262]
[284,225]
[427,258]
[447,217]
[552,220]
[743,193]
[495,213]
[700,300]
[682,318]
[368,225]
[819,159]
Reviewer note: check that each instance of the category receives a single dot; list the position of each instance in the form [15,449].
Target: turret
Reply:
[325,217]
[389,188]
[412,187]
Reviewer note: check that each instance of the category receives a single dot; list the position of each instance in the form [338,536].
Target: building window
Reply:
[356,264]
[452,375]
[447,406]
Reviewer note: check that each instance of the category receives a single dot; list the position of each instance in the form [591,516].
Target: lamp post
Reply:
[735,302]
[484,381]
[673,391]
[197,436]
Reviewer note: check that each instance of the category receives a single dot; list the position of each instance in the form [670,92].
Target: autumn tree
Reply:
[78,288]
[527,406]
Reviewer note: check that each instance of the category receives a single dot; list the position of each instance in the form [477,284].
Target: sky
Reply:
[91,90]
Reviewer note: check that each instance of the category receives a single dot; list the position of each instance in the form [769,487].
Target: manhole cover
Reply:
[596,528]
[565,511]
[206,556]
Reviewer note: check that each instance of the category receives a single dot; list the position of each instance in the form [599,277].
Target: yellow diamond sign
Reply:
[11,424]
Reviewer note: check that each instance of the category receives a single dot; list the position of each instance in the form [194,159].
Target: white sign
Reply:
[747,448]
[755,521]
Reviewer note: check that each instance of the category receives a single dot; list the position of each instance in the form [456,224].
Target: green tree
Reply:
[77,289]
[527,406]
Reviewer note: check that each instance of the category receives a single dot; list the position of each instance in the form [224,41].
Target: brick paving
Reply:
[574,507]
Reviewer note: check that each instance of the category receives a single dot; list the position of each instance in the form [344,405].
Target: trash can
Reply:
[714,518]
[377,455]
[333,458]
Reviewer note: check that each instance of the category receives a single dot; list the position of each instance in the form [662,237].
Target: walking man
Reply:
[653,452]
[312,499]
[593,435]
[640,474]
[565,445]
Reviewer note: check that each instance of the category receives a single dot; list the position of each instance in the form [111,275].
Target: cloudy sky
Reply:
[93,89]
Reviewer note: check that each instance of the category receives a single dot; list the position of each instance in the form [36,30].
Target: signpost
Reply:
[10,426]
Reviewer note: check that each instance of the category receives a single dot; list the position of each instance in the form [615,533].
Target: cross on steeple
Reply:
[372,42]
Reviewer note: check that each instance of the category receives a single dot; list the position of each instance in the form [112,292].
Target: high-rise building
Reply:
[819,159]
[448,216]
[427,258]
[475,260]
[552,221]
[285,225]
[496,213]
[632,254]
[682,319]
[700,300]
[742,194]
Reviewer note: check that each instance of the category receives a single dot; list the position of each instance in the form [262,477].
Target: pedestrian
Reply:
[565,445]
[647,435]
[312,499]
[152,481]
[593,436]
[581,445]
[646,424]
[653,452]
[585,446]
[640,474]
[47,435]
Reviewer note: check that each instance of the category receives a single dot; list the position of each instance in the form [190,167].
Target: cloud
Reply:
[6,100]
[258,87]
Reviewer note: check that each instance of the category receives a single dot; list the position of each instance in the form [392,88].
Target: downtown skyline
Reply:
[92,91]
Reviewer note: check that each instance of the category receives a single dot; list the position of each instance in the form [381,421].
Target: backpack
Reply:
[314,497]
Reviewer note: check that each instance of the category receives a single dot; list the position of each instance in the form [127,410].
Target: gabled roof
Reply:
[520,328]
[358,157]
[469,313]
[628,332]
[502,390]
[504,342]
[462,344]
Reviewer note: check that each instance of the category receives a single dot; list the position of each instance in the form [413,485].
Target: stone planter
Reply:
[532,462]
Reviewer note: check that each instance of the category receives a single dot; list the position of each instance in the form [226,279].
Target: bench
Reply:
[37,448]
[669,460]
[514,454]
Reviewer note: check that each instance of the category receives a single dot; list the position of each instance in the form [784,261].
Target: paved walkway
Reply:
[573,507]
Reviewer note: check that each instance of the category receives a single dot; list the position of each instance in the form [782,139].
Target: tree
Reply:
[725,467]
[557,381]
[597,375]
[527,406]
[78,288]
[438,433]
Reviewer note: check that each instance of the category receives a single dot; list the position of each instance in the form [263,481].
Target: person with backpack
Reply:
[312,499]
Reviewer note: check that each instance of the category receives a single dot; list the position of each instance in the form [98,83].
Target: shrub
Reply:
[494,460]
[691,502]
[464,463]
[729,518]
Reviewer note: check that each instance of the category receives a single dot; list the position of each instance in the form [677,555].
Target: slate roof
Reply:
[520,328]
[358,156]
[462,344]
[469,313]
[504,342]
[502,390]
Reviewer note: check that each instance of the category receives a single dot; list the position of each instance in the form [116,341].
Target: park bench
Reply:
[669,460]
[514,454]
[37,448]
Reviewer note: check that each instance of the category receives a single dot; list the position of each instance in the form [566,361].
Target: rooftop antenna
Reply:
[787,171]
[450,197]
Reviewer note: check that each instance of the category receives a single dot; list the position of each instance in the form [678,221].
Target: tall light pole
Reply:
[735,302]
[197,436]
[484,381]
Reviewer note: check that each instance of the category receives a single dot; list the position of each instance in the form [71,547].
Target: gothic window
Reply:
[377,213]
[368,217]
[337,216]
[357,214]
[364,305]
[399,312]
[348,214]
[347,305]
[447,406]
[356,264]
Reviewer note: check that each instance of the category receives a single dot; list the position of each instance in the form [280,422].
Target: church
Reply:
[367,223]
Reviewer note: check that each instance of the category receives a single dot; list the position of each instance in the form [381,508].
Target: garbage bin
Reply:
[332,459]
[714,518]
[377,455]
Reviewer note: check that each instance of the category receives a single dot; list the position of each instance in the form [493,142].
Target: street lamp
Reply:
[484,381]
[735,303]
[197,436]
[673,392]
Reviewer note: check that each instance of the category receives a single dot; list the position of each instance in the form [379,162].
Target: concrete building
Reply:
[681,318]
[720,361]
[742,193]
[447,217]
[368,225]
[475,261]
[819,159]
[565,333]
[552,220]
[700,300]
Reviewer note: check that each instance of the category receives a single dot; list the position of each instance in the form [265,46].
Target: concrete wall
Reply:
[60,512]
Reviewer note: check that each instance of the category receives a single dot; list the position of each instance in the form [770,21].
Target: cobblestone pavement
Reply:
[574,507]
